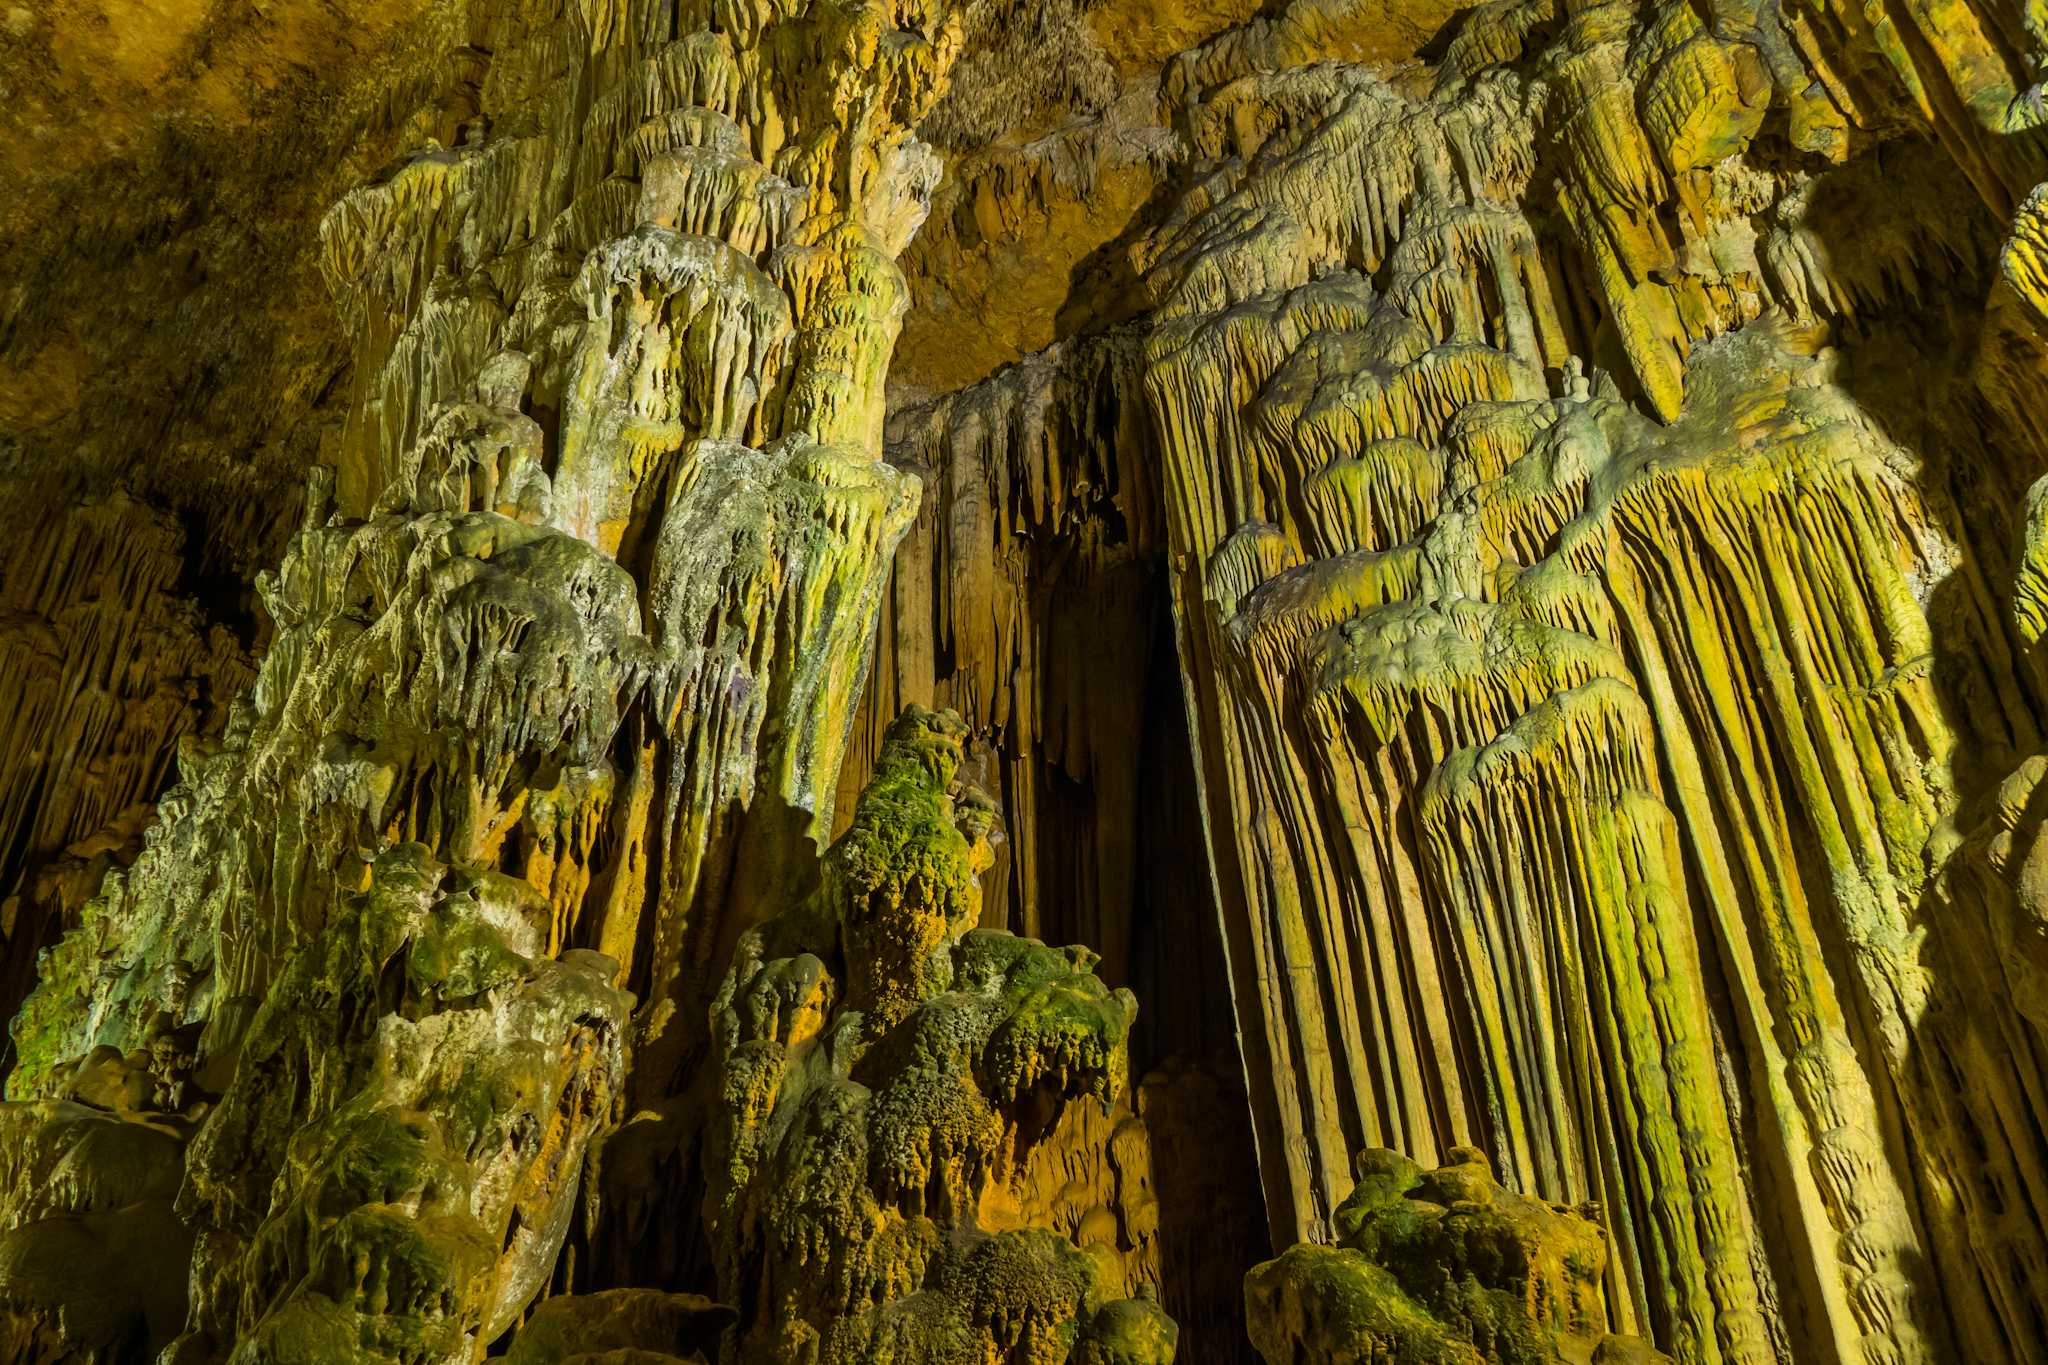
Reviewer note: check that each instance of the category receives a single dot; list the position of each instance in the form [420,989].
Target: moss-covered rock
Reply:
[1441,1267]
[865,1179]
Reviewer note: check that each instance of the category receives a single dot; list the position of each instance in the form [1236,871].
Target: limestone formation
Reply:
[1550,603]
[903,1097]
[1437,1266]
[1490,563]
[106,670]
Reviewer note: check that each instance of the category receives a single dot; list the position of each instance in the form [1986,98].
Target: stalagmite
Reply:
[1441,1265]
[903,1097]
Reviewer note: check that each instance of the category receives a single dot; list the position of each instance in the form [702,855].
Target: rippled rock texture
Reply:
[1489,563]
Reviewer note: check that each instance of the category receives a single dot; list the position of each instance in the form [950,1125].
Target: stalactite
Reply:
[1617,637]
[106,668]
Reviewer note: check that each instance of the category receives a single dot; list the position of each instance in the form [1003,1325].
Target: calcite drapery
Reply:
[1523,721]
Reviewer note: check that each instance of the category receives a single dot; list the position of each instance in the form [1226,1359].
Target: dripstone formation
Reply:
[590,583]
[886,1174]
[1441,1266]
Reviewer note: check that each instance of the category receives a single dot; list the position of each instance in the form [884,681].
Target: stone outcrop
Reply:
[1490,563]
[903,1164]
[1441,1266]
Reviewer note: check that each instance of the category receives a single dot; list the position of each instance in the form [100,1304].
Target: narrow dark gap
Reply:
[1184,1049]
[223,594]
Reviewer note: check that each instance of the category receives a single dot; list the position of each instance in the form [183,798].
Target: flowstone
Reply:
[896,1082]
[387,1177]
[394,1167]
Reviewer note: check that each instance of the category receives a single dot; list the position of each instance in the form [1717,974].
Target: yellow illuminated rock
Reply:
[591,582]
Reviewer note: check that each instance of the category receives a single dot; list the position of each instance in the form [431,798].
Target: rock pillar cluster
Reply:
[562,662]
